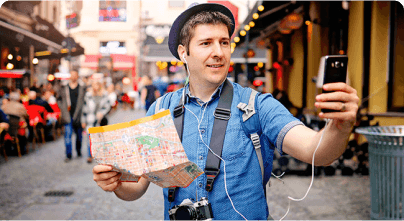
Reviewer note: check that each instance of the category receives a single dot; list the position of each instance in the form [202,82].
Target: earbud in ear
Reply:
[183,56]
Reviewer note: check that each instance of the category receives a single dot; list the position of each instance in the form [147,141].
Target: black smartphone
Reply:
[335,70]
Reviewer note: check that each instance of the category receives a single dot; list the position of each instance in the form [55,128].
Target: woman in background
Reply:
[96,107]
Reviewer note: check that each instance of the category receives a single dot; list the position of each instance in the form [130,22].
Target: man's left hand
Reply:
[343,99]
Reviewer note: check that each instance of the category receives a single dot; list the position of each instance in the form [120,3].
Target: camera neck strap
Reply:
[222,115]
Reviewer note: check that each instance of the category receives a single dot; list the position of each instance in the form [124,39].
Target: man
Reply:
[70,101]
[200,37]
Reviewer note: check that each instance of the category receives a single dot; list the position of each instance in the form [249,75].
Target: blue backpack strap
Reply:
[250,121]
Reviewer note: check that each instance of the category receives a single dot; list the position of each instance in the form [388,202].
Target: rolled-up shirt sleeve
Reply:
[276,120]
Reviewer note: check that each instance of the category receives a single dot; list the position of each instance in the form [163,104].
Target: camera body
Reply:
[188,210]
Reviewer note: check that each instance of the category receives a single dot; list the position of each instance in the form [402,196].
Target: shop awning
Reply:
[268,20]
[120,61]
[22,36]
[46,29]
[46,40]
[238,55]
[12,73]
[156,53]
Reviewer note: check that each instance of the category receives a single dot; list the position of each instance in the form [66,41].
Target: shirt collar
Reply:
[217,93]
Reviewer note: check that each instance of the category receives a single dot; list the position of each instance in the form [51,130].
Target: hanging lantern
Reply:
[294,21]
[282,27]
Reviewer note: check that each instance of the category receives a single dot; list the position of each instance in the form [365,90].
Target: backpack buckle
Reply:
[211,174]
[222,113]
[256,140]
[178,110]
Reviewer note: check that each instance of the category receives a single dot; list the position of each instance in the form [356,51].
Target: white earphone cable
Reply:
[224,162]
[312,174]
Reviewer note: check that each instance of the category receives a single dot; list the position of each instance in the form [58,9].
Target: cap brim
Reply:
[173,38]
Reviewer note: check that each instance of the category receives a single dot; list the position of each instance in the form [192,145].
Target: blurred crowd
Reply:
[34,115]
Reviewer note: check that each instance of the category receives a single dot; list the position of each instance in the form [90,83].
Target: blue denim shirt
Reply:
[243,173]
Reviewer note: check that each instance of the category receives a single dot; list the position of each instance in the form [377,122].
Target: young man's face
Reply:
[209,54]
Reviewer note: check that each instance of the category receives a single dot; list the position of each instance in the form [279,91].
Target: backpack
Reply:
[251,126]
[249,120]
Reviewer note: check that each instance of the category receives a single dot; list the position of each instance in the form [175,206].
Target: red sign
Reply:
[11,73]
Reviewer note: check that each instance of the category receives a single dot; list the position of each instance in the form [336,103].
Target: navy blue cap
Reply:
[173,38]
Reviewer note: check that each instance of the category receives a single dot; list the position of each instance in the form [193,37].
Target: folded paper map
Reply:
[148,147]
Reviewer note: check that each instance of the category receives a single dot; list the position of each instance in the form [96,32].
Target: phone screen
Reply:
[335,70]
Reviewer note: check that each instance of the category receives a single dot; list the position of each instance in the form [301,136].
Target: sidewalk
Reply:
[24,182]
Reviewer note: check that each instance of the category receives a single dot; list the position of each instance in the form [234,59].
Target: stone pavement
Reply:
[24,182]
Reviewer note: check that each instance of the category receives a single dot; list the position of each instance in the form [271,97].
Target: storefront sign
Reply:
[113,47]
[158,32]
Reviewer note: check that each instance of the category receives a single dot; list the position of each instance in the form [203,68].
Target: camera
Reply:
[189,210]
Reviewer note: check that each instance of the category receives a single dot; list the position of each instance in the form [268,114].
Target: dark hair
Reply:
[204,17]
[75,70]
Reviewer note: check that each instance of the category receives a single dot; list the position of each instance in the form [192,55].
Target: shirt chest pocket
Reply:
[235,141]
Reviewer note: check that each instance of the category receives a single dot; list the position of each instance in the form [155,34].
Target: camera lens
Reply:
[337,64]
[185,213]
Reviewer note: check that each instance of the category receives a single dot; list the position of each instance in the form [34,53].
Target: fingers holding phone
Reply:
[340,101]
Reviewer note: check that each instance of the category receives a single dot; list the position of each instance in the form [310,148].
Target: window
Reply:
[396,65]
[112,47]
[176,4]
[112,11]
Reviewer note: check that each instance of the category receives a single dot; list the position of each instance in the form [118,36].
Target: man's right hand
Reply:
[105,178]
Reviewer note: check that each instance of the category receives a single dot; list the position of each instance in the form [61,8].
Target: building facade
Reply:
[298,34]
[30,32]
[108,32]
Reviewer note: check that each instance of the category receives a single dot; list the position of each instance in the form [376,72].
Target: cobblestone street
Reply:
[24,182]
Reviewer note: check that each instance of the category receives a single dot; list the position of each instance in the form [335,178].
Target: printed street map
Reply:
[148,147]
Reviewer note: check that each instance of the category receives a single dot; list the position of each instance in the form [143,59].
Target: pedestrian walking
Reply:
[70,101]
[149,93]
[234,189]
[96,107]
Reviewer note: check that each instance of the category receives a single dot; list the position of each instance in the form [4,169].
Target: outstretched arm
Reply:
[300,142]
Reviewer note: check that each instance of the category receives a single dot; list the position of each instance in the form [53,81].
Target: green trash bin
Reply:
[386,159]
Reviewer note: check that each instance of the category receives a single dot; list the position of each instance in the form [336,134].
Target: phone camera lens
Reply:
[337,64]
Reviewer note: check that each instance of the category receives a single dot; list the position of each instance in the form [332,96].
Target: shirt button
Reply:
[201,157]
[202,131]
[200,185]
